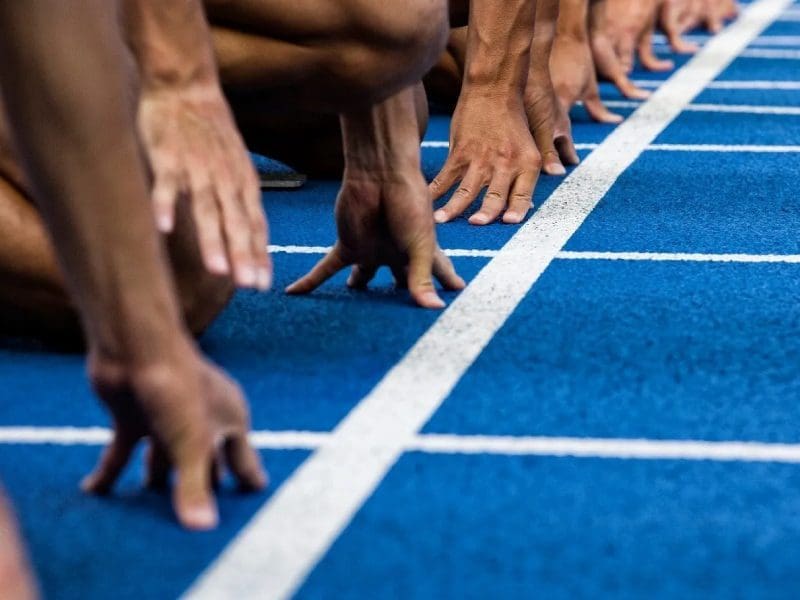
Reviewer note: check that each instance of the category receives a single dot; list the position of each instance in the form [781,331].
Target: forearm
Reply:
[573,19]
[171,41]
[499,45]
[543,34]
[64,81]
[383,139]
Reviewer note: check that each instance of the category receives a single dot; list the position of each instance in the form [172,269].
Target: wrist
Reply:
[573,20]
[384,138]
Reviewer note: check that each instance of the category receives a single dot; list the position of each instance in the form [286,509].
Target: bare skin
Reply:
[16,581]
[572,66]
[491,144]
[192,145]
[142,361]
[217,226]
[383,211]
[602,28]
[629,26]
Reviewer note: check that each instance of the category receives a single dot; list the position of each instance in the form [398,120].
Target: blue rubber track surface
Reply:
[616,349]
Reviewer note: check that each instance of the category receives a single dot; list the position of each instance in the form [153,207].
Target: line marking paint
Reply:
[764,40]
[592,255]
[285,539]
[722,148]
[436,443]
[732,85]
[771,54]
[719,108]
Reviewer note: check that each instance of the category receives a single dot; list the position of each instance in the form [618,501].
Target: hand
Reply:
[631,23]
[195,152]
[673,17]
[549,124]
[491,144]
[574,77]
[609,66]
[191,412]
[386,222]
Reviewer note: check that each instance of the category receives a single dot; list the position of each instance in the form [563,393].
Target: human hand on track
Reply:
[197,155]
[490,145]
[386,222]
[608,63]
[574,77]
[195,419]
[629,25]
[673,19]
[549,123]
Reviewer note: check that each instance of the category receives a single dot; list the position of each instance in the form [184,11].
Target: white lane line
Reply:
[719,108]
[771,54]
[762,149]
[764,40]
[591,255]
[792,259]
[732,85]
[634,449]
[273,554]
[435,443]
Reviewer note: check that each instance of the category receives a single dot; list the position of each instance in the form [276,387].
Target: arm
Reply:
[65,85]
[191,140]
[491,143]
[383,211]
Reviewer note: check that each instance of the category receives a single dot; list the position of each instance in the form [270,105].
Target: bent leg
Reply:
[326,55]
[33,300]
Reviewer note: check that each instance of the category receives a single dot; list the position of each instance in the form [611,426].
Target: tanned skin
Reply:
[77,142]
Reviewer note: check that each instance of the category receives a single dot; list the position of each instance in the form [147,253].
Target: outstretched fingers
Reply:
[598,111]
[470,187]
[112,462]
[520,200]
[326,268]
[245,463]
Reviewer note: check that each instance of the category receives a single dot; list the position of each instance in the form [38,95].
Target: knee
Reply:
[202,298]
[396,45]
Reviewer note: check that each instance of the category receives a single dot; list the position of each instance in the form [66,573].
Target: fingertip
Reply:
[264,279]
[199,517]
[430,299]
[218,264]
[554,168]
[441,216]
[165,221]
[480,218]
[513,217]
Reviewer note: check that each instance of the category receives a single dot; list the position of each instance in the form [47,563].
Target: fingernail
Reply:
[440,216]
[479,219]
[218,264]
[556,169]
[200,517]
[264,279]
[512,218]
[164,223]
[247,276]
[432,300]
